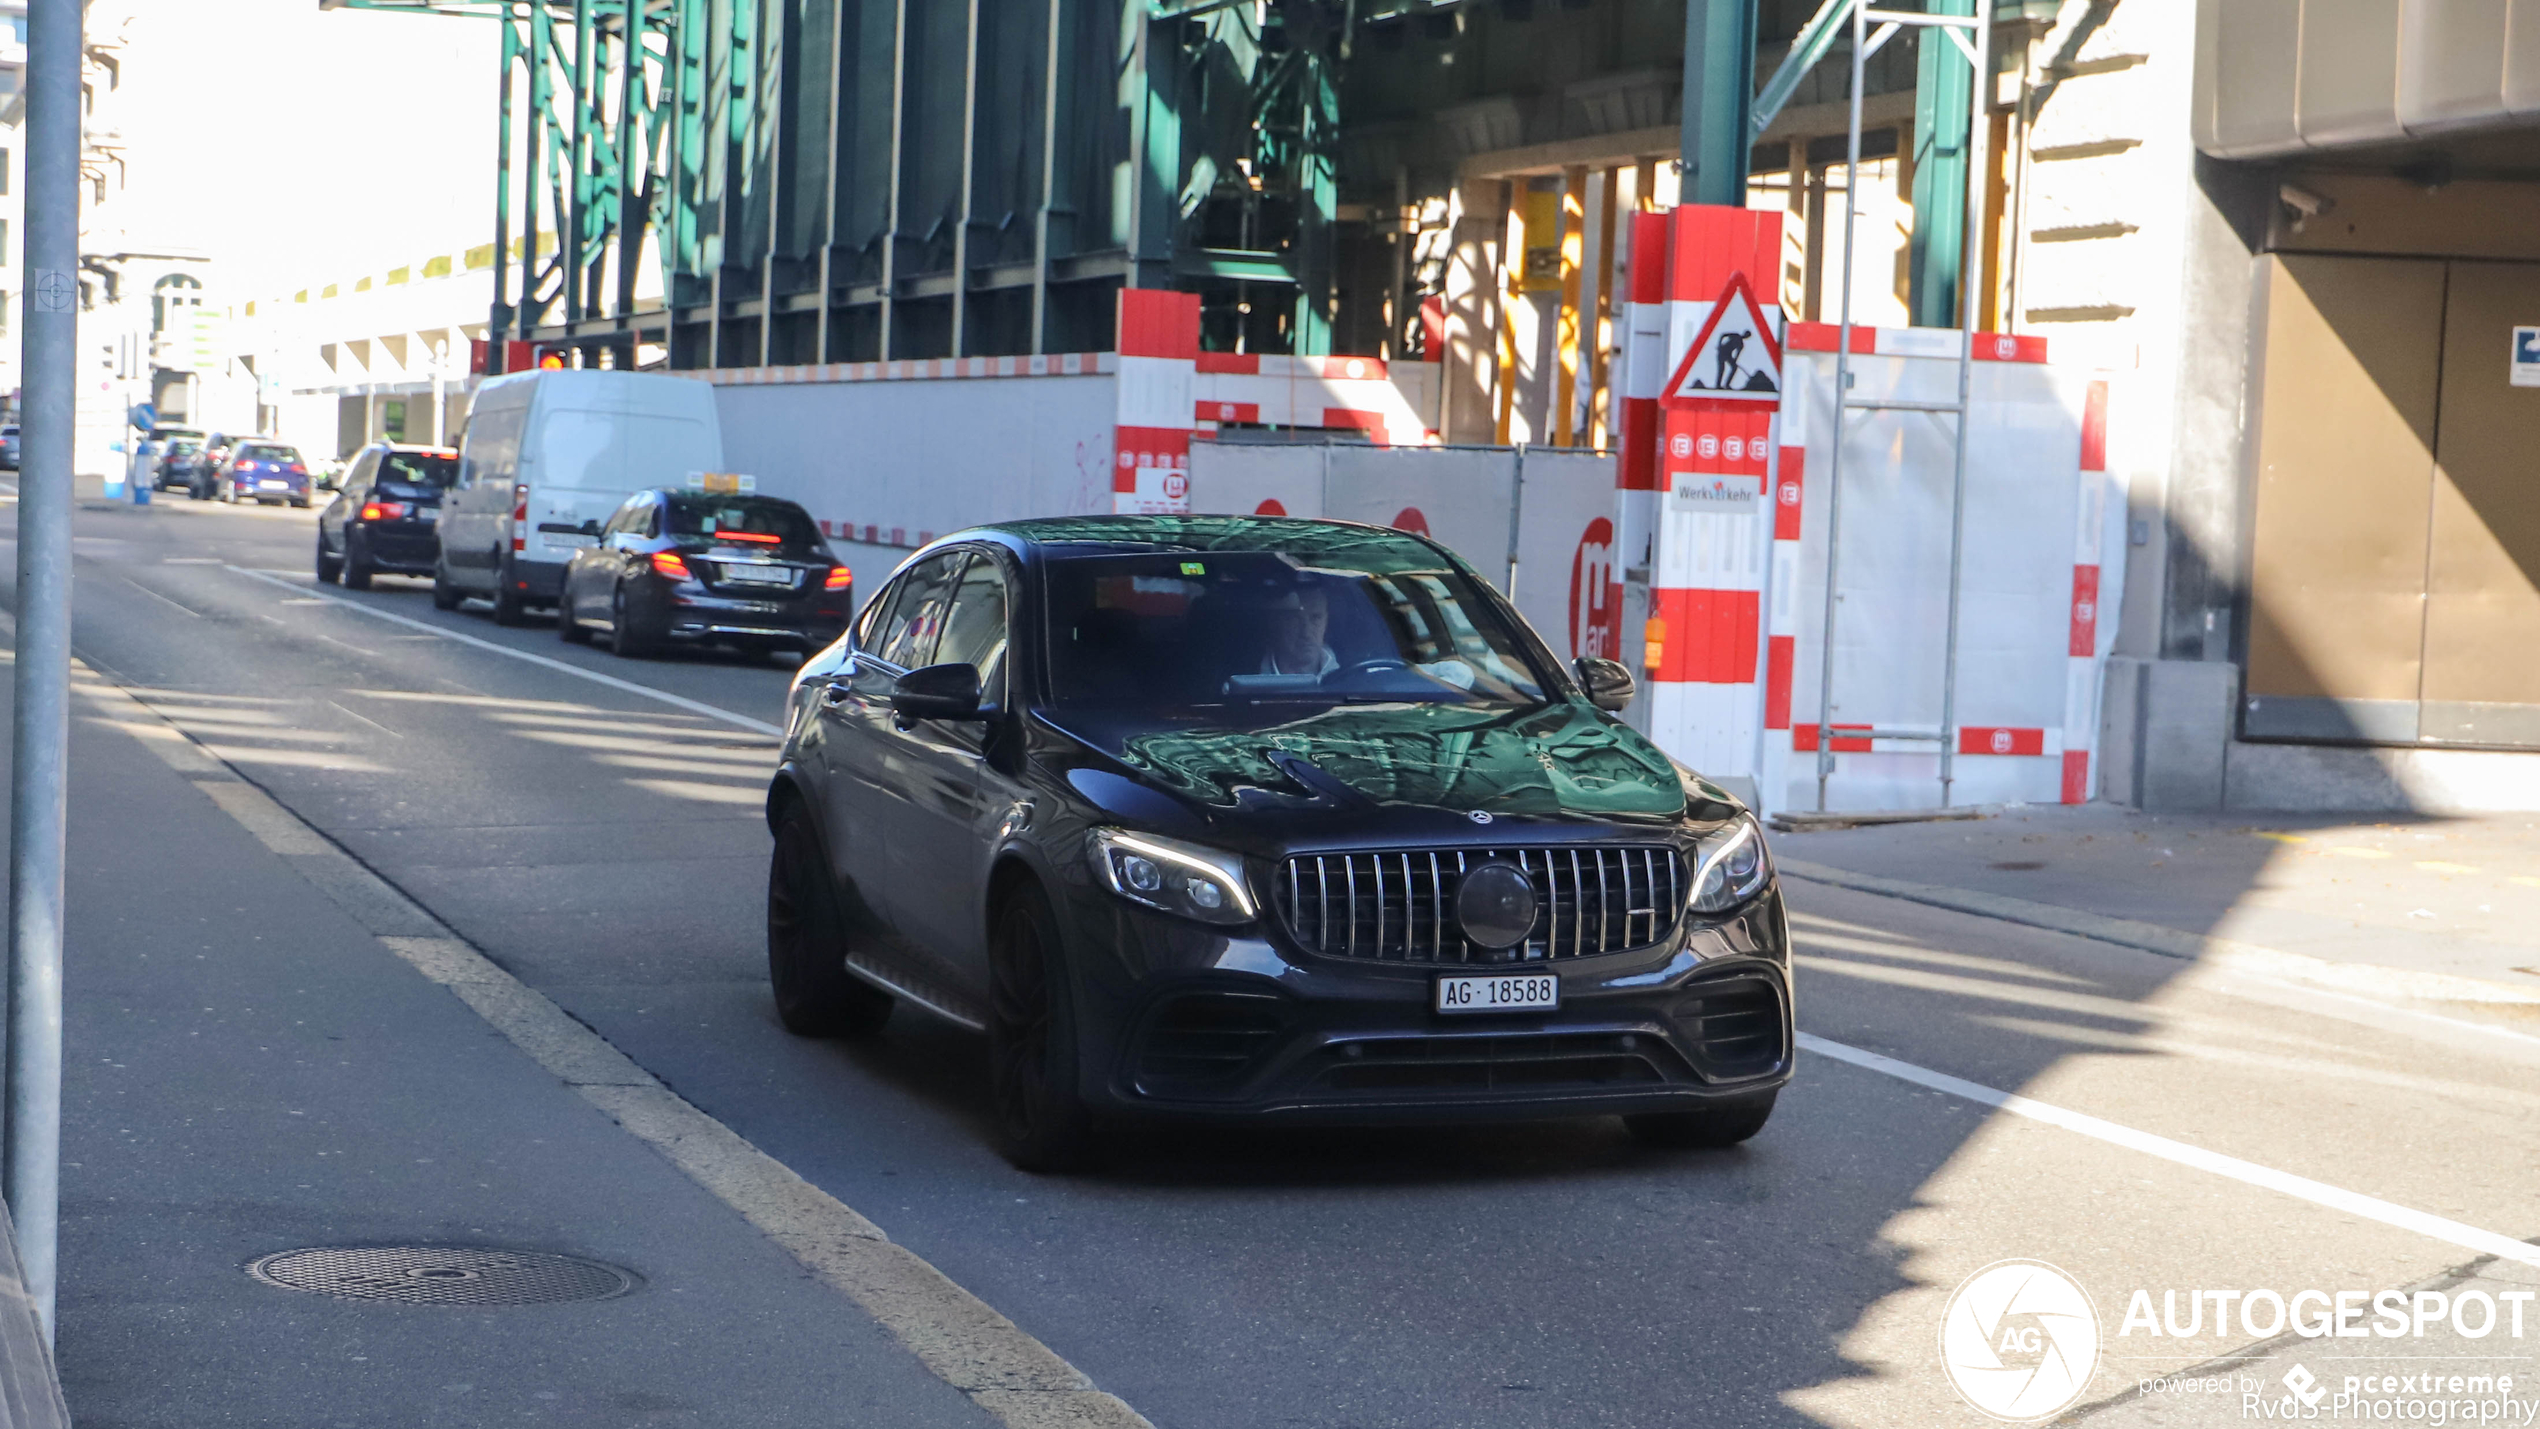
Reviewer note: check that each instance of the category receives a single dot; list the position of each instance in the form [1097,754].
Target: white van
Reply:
[547,459]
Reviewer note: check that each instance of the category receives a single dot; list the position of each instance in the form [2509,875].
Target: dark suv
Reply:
[1251,817]
[386,516]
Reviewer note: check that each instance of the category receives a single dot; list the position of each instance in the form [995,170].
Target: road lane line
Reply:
[145,590]
[594,676]
[2247,1172]
[962,1340]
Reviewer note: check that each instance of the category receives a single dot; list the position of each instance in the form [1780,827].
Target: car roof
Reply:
[1296,536]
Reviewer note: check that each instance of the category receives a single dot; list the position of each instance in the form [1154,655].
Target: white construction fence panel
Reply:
[900,463]
[2030,649]
[1569,585]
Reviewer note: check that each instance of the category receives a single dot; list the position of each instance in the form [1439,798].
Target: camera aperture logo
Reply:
[2019,1340]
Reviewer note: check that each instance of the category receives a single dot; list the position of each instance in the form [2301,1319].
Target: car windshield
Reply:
[750,520]
[431,469]
[259,451]
[1199,629]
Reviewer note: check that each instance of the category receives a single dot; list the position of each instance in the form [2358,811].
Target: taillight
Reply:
[520,516]
[668,564]
[246,466]
[384,510]
[296,469]
[840,578]
[752,537]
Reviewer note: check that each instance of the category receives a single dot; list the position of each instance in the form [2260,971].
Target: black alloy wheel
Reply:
[509,607]
[1724,1123]
[1041,1120]
[806,944]
[624,638]
[568,629]
[358,567]
[329,568]
[445,596]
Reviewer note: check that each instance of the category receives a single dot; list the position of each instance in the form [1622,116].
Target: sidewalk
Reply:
[2457,897]
[250,1070]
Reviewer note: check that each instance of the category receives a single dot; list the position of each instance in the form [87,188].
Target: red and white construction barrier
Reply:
[1701,640]
[1737,624]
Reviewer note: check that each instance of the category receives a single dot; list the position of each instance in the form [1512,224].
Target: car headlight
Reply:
[1732,867]
[1180,878]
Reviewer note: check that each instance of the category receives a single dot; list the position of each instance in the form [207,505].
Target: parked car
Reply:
[387,515]
[682,566]
[549,456]
[263,472]
[1233,817]
[176,464]
[9,447]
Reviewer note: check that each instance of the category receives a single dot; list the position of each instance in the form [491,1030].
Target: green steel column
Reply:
[541,97]
[571,240]
[1719,90]
[1150,86]
[498,321]
[630,158]
[1937,253]
[1318,204]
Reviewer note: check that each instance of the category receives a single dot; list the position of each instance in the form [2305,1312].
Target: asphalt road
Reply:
[604,845]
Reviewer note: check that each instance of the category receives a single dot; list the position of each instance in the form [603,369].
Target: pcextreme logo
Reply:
[2019,1340]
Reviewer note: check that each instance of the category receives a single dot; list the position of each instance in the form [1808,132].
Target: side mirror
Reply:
[1608,684]
[937,692]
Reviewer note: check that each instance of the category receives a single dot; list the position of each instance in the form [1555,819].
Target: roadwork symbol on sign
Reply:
[2525,371]
[1735,358]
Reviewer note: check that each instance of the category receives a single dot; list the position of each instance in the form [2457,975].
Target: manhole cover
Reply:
[442,1275]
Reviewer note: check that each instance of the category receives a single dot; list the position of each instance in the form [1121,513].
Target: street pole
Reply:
[1719,91]
[39,771]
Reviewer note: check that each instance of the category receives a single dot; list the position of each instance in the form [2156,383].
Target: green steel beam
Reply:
[1719,83]
[1815,39]
[1936,256]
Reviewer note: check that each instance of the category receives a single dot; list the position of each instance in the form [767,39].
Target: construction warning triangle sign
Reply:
[1735,358]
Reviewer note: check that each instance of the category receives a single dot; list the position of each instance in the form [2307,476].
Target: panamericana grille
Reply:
[1400,907]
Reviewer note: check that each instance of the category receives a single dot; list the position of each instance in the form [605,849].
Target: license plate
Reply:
[269,484]
[428,515]
[758,575]
[1499,992]
[567,540]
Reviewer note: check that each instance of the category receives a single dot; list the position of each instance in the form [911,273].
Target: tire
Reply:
[509,608]
[329,568]
[1039,1112]
[806,945]
[623,637]
[300,505]
[357,569]
[1724,1124]
[445,596]
[568,629]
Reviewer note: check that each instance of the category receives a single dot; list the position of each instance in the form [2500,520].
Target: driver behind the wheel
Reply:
[1295,645]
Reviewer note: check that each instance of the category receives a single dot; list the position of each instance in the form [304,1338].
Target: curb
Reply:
[2371,979]
[30,1390]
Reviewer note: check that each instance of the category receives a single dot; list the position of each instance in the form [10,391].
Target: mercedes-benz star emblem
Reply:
[1479,816]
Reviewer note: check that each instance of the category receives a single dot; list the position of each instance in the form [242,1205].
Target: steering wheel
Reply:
[1379,665]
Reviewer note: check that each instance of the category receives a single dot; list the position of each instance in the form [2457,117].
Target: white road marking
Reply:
[594,676]
[154,595]
[2247,1172]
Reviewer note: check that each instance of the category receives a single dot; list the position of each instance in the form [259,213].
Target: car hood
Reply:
[1559,762]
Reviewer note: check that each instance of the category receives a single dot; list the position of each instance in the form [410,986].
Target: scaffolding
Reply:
[748,182]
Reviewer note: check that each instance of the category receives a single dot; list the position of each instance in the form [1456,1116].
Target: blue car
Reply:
[264,472]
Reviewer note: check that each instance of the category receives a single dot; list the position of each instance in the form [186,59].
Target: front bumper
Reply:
[1179,1020]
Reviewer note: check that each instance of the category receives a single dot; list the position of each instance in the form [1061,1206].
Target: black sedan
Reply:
[702,568]
[386,517]
[1243,817]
